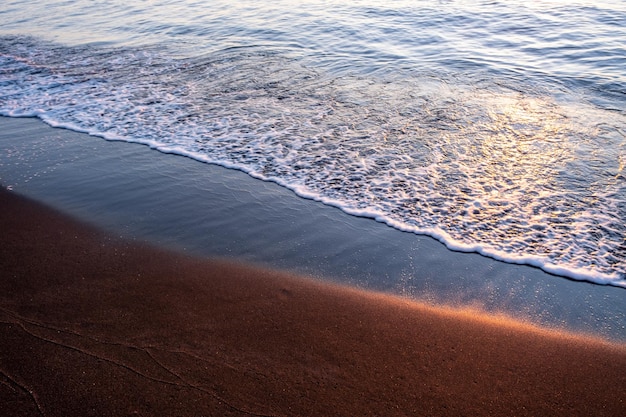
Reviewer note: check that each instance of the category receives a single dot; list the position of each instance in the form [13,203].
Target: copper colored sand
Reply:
[93,325]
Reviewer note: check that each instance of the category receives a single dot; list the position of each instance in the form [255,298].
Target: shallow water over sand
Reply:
[208,210]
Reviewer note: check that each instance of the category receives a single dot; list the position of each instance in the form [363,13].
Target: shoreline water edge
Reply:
[209,210]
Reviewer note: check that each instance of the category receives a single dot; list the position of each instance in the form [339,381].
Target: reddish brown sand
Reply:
[92,325]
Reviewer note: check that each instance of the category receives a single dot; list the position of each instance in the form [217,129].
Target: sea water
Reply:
[496,127]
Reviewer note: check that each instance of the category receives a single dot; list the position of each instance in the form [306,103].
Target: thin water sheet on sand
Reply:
[205,209]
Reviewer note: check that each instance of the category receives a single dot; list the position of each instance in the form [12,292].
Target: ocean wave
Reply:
[521,165]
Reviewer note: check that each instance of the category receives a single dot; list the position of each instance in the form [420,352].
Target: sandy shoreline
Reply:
[95,325]
[173,201]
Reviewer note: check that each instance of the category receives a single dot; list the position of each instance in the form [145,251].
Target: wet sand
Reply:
[207,210]
[96,325]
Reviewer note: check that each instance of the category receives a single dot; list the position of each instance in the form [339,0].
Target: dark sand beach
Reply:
[323,209]
[97,325]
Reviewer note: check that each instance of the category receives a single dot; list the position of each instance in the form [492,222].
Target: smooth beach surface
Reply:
[340,208]
[98,325]
[207,210]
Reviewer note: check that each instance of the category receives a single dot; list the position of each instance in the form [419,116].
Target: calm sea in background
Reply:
[496,127]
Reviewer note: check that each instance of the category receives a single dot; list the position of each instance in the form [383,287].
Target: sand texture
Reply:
[93,325]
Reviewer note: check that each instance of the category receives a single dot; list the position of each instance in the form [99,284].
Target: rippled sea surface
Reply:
[497,127]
